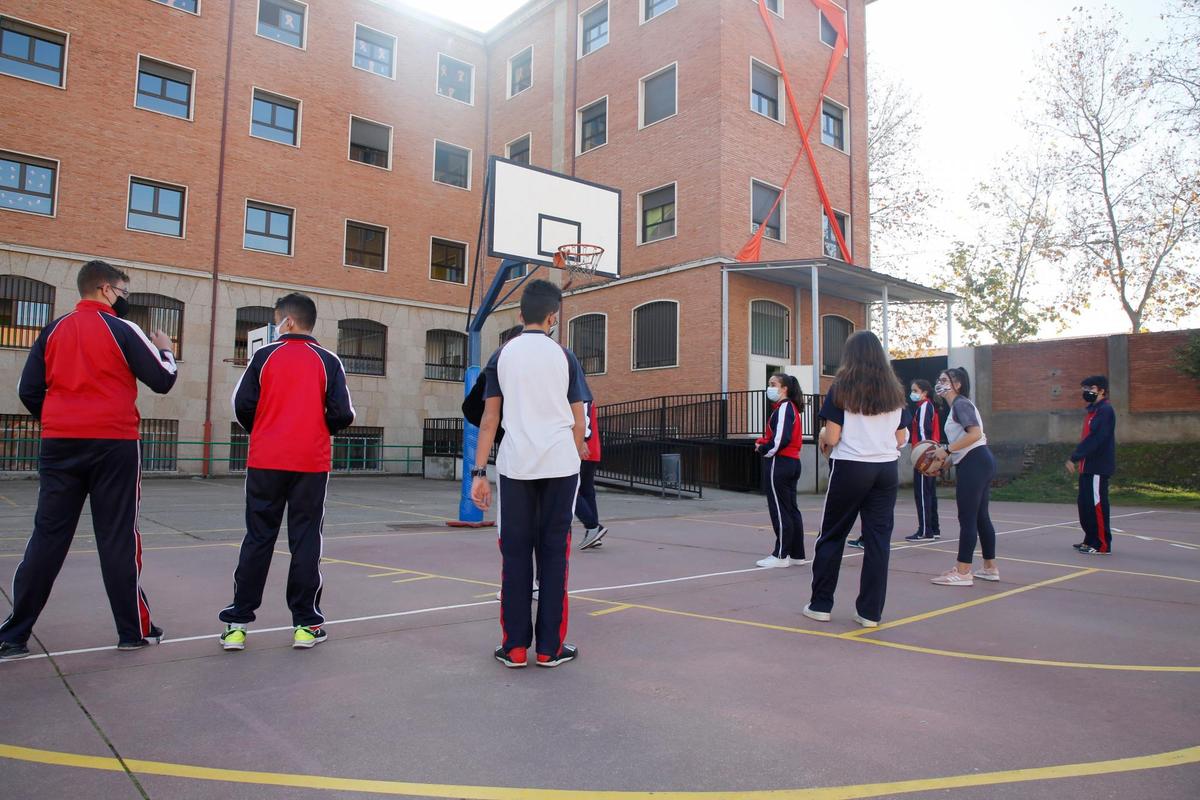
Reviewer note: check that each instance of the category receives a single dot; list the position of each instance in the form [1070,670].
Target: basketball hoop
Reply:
[578,260]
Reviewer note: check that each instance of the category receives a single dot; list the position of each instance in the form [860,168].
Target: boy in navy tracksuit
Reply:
[291,398]
[586,507]
[80,380]
[1096,457]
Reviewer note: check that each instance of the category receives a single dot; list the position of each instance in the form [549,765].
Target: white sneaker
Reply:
[985,574]
[798,561]
[819,616]
[866,623]
[953,577]
[772,561]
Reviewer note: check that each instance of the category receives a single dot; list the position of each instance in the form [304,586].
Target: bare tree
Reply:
[1175,67]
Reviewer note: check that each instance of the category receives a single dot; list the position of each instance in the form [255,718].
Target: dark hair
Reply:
[964,381]
[925,387]
[95,274]
[791,384]
[540,299]
[299,308]
[1100,381]
[865,382]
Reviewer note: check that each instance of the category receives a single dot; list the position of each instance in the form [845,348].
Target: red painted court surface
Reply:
[1074,677]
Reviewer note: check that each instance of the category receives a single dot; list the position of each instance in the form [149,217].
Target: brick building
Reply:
[225,153]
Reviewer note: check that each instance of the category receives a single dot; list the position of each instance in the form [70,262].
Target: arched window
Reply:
[589,338]
[835,331]
[156,312]
[656,335]
[362,346]
[445,355]
[26,306]
[769,329]
[510,333]
[249,318]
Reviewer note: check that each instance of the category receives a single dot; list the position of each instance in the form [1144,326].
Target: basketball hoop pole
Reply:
[469,515]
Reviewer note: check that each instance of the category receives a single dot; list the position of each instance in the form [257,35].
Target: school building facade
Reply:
[225,153]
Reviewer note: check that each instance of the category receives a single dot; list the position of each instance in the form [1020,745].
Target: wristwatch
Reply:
[479,472]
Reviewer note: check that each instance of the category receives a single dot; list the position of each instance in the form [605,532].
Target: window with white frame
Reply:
[520,72]
[656,335]
[658,214]
[764,91]
[283,21]
[34,53]
[448,261]
[456,79]
[829,243]
[27,183]
[452,165]
[829,34]
[275,117]
[833,125]
[518,149]
[156,207]
[770,328]
[652,8]
[589,339]
[366,246]
[191,6]
[593,125]
[658,93]
[593,28]
[268,229]
[374,51]
[370,143]
[764,210]
[164,88]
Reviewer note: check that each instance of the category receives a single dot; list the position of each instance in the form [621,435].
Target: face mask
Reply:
[773,394]
[120,307]
[942,389]
[279,327]
[1090,397]
[914,396]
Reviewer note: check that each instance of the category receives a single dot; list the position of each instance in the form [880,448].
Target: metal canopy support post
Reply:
[724,330]
[816,331]
[949,329]
[885,320]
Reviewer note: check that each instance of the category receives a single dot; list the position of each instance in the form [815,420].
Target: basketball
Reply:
[927,457]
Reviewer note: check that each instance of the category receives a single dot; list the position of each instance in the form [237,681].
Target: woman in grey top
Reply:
[969,452]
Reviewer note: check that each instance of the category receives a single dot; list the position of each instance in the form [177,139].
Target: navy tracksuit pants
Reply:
[534,520]
[856,488]
[71,471]
[1093,512]
[585,504]
[268,493]
[925,495]
[973,478]
[780,476]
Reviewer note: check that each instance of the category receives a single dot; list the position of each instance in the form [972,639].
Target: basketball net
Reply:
[579,260]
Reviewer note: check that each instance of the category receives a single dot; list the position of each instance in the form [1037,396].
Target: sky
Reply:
[971,63]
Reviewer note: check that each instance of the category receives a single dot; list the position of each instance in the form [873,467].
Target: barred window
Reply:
[239,447]
[510,333]
[588,338]
[159,445]
[834,333]
[153,312]
[357,449]
[762,199]
[26,306]
[249,318]
[366,246]
[282,20]
[373,51]
[456,79]
[33,53]
[445,355]
[656,335]
[20,443]
[769,329]
[362,346]
[448,261]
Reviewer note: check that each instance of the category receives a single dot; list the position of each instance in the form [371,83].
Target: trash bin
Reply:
[672,474]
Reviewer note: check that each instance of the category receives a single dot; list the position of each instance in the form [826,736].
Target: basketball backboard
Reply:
[260,337]
[532,211]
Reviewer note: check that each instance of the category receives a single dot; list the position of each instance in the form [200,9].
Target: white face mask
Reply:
[914,396]
[942,389]
[773,394]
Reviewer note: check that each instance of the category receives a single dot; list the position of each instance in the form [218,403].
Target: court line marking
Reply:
[969,604]
[415,578]
[1173,758]
[1076,566]
[610,610]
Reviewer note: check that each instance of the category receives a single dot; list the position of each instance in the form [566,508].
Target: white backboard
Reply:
[259,337]
[533,211]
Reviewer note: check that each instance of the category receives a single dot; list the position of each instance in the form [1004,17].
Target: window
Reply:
[774,6]
[829,33]
[283,21]
[652,8]
[828,240]
[508,334]
[20,443]
[519,271]
[268,228]
[239,447]
[156,312]
[164,88]
[156,207]
[518,150]
[658,96]
[370,143]
[834,333]
[589,336]
[275,117]
[357,448]
[593,125]
[593,29]
[26,307]
[159,444]
[366,246]
[249,318]
[656,335]
[763,198]
[374,50]
[658,214]
[27,184]
[445,355]
[456,79]
[769,329]
[32,53]
[362,346]
[520,72]
[833,119]
[192,6]
[764,91]
[448,261]
[452,165]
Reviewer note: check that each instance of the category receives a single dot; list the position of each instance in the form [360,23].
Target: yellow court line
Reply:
[385,567]
[1174,758]
[1155,538]
[390,510]
[1076,566]
[145,549]
[390,573]
[969,604]
[610,610]
[10,502]
[415,578]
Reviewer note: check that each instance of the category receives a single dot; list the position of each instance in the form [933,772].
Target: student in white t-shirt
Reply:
[539,387]
[866,423]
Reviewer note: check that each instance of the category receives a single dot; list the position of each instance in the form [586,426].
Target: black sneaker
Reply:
[1092,551]
[515,658]
[11,651]
[154,637]
[918,537]
[1079,545]
[855,543]
[568,652]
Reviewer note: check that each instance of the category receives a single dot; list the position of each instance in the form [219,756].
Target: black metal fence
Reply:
[638,464]
[713,416]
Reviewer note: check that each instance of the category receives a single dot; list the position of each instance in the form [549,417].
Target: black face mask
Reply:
[1091,397]
[120,307]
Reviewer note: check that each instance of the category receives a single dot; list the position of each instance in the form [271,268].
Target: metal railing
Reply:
[712,416]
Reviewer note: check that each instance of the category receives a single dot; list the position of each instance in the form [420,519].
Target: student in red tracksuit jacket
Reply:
[780,448]
[291,398]
[585,502]
[925,426]
[80,380]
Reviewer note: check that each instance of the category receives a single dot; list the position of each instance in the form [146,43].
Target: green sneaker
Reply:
[306,637]
[234,637]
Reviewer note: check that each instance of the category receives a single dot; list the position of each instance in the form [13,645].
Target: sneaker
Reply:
[866,623]
[308,636]
[1088,550]
[11,651]
[1079,545]
[797,561]
[514,658]
[921,537]
[985,574]
[953,577]
[154,637]
[819,616]
[592,537]
[568,652]
[234,637]
[772,561]
[855,543]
